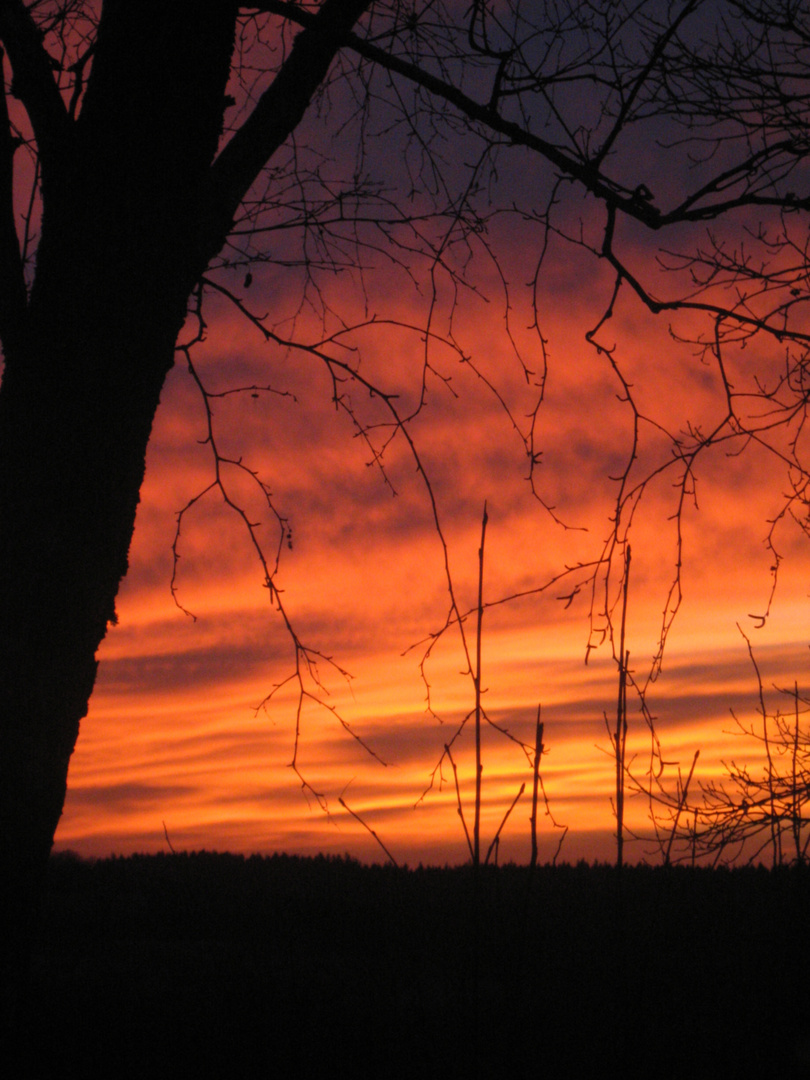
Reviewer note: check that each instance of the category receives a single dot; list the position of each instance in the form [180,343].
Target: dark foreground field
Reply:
[218,966]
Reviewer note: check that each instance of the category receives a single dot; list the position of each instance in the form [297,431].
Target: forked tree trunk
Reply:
[134,208]
[127,229]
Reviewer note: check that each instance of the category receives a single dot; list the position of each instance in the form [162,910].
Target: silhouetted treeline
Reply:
[218,965]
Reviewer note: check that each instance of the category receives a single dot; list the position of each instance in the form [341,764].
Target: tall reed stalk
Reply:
[478,715]
[538,752]
[477,681]
[619,738]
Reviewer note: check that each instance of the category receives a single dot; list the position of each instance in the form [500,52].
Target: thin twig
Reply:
[681,807]
[538,750]
[620,737]
[168,841]
[497,837]
[477,680]
[368,828]
[459,805]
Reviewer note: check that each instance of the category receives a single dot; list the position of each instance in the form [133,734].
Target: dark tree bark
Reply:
[132,214]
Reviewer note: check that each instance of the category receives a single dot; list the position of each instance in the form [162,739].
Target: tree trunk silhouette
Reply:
[133,211]
[85,361]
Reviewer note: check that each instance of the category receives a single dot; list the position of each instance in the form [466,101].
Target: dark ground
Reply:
[219,966]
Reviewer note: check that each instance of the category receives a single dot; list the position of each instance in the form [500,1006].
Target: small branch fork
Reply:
[618,738]
[477,714]
[771,415]
[759,809]
[306,676]
[368,829]
[341,372]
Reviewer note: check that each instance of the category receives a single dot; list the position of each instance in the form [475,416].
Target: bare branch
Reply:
[282,106]
[13,294]
[34,82]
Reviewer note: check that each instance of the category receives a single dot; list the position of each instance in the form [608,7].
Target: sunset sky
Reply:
[174,734]
[177,736]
